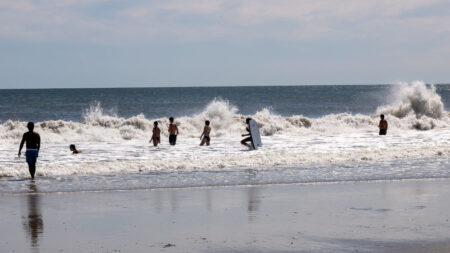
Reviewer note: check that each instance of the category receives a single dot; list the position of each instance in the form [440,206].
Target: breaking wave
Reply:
[414,106]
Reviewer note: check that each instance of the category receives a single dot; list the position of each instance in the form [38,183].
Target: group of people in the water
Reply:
[33,139]
[173,133]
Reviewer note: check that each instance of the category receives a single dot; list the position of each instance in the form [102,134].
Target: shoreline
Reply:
[200,187]
[430,168]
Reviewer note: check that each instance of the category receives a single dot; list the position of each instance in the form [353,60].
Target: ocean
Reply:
[310,134]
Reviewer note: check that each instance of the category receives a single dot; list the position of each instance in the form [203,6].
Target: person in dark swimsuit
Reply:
[74,149]
[33,144]
[205,139]
[173,132]
[383,125]
[247,140]
[156,137]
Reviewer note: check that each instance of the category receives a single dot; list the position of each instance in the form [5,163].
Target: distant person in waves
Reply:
[246,141]
[173,132]
[205,139]
[33,141]
[383,125]
[74,149]
[156,137]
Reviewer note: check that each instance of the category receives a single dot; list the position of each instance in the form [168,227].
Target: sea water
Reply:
[309,134]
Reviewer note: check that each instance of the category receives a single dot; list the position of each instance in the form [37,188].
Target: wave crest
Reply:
[414,106]
[416,99]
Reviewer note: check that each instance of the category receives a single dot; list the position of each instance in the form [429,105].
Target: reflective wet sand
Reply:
[387,216]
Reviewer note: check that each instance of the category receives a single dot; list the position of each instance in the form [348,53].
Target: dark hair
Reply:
[207,122]
[155,123]
[72,146]
[30,126]
[382,116]
[247,120]
[171,119]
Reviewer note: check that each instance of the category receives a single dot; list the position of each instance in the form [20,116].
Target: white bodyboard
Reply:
[254,133]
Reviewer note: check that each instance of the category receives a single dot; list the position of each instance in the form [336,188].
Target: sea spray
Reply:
[416,98]
[414,106]
[417,105]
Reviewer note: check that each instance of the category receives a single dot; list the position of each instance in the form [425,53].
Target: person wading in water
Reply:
[33,141]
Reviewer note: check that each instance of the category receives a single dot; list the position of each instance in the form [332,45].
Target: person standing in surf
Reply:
[33,144]
[383,125]
[156,137]
[205,139]
[173,132]
[247,140]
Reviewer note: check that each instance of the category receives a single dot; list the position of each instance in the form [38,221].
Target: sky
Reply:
[123,43]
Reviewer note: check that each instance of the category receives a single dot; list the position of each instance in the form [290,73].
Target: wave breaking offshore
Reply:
[414,106]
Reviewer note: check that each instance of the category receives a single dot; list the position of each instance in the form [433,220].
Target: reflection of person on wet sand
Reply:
[33,144]
[33,223]
[253,202]
[249,138]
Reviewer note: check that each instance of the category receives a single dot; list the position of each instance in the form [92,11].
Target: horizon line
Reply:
[205,86]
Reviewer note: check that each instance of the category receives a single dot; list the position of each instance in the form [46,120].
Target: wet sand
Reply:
[386,216]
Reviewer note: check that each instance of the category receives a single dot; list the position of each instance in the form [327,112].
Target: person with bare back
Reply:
[156,137]
[33,144]
[173,132]
[205,139]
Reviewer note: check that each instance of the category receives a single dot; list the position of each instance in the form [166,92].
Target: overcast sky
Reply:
[121,43]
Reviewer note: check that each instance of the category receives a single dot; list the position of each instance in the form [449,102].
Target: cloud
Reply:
[202,20]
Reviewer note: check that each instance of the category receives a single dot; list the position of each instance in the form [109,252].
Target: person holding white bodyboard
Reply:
[254,139]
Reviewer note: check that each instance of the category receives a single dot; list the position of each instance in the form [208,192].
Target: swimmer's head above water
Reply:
[74,149]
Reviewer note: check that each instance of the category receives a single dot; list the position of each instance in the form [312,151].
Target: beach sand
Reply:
[382,216]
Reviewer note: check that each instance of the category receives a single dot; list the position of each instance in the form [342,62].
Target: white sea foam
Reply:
[226,154]
[115,144]
[416,100]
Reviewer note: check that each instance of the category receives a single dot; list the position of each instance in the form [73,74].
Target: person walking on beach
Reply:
[173,132]
[249,138]
[156,136]
[33,144]
[74,149]
[383,125]
[205,135]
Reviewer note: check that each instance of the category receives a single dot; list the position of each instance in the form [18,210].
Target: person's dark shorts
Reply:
[31,155]
[383,132]
[208,138]
[172,139]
